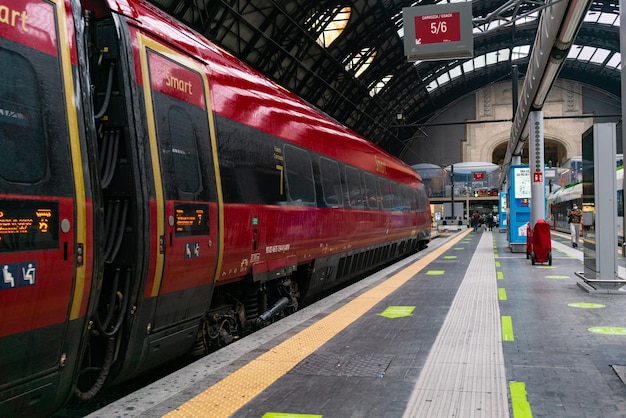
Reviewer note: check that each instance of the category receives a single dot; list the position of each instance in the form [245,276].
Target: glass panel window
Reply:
[184,151]
[371,191]
[22,137]
[299,176]
[355,191]
[331,182]
[387,193]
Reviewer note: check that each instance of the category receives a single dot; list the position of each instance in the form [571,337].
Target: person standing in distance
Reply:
[575,217]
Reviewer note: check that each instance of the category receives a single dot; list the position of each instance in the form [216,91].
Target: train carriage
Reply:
[158,197]
[562,200]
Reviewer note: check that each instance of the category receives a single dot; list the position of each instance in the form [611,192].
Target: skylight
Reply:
[361,61]
[467,67]
[603,18]
[378,86]
[329,23]
[595,55]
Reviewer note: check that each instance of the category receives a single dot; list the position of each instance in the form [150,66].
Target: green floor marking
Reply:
[519,402]
[459,248]
[288,415]
[557,277]
[500,275]
[507,329]
[449,257]
[501,293]
[435,272]
[546,267]
[585,305]
[498,264]
[397,311]
[608,330]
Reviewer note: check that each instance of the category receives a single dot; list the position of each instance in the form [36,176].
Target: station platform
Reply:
[465,328]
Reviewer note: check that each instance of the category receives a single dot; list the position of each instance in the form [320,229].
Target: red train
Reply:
[157,197]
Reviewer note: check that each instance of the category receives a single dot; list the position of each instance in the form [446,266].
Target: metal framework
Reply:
[274,37]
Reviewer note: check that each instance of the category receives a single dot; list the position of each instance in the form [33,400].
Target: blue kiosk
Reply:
[503,208]
[519,207]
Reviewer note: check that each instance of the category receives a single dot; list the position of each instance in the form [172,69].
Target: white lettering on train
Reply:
[276,248]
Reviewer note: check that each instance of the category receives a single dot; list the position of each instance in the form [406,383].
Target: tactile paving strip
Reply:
[374,365]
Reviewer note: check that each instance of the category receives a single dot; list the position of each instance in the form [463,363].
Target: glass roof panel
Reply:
[603,18]
[432,86]
[443,78]
[491,57]
[574,51]
[333,21]
[455,72]
[600,56]
[361,61]
[378,86]
[520,52]
[615,61]
[479,62]
[586,53]
[468,66]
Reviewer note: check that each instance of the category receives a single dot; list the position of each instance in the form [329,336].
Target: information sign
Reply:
[441,31]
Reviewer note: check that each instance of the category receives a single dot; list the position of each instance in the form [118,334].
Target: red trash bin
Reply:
[541,243]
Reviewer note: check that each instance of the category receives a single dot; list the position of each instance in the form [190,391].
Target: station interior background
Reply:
[348,59]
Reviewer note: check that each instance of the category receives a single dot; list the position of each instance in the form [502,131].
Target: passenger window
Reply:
[371,191]
[387,196]
[355,192]
[421,200]
[299,175]
[22,137]
[184,152]
[331,182]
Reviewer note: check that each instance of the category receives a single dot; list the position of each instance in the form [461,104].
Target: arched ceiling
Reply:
[277,38]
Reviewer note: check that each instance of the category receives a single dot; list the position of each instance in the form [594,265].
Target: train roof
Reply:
[243,94]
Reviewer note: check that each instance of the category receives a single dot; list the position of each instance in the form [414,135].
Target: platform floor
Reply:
[465,328]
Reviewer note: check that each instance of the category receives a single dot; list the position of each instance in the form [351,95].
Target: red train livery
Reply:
[159,197]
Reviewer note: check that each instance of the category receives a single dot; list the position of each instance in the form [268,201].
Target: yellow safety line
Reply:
[234,391]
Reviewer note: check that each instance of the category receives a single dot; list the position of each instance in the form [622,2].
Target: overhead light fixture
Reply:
[549,75]
[571,23]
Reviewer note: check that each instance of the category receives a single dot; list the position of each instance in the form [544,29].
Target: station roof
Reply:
[347,57]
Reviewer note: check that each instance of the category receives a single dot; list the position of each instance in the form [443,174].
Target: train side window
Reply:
[620,203]
[355,191]
[22,136]
[386,193]
[371,191]
[299,175]
[331,182]
[406,198]
[184,152]
[422,199]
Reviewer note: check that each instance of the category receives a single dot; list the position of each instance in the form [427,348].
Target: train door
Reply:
[45,246]
[187,203]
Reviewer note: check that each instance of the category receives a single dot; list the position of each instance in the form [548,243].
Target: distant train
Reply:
[559,201]
[159,197]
